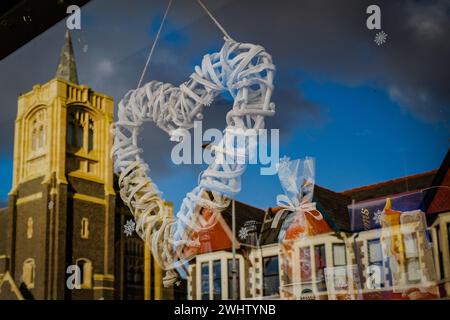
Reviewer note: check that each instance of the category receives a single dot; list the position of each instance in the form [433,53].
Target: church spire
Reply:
[67,69]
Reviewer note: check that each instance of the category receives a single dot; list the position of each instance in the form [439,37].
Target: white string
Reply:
[154,43]
[215,20]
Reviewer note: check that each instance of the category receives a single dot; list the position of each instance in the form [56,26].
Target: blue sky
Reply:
[356,107]
[366,139]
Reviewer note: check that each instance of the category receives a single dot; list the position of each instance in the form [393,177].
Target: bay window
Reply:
[215,278]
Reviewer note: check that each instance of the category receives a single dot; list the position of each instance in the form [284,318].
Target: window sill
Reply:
[85,175]
[92,155]
[36,155]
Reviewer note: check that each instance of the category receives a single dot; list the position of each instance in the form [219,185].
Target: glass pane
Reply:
[230,279]
[91,140]
[411,249]
[79,136]
[205,281]
[217,280]
[34,140]
[70,134]
[375,254]
[320,260]
[271,281]
[413,269]
[376,270]
[305,265]
[340,278]
[41,137]
[339,255]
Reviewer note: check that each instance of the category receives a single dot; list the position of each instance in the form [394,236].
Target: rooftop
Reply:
[391,187]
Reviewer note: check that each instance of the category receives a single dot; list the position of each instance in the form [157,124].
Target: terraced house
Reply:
[356,253]
[385,241]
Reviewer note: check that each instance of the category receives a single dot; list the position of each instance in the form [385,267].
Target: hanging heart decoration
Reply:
[246,72]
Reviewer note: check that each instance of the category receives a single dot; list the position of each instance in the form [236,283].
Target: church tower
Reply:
[62,202]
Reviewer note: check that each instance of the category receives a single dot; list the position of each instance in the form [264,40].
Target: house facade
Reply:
[385,241]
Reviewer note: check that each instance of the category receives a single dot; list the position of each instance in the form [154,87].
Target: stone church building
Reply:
[64,211]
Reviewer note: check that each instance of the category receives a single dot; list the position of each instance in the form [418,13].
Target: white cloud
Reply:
[427,21]
[105,67]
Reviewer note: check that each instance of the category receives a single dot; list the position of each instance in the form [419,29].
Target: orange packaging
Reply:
[314,224]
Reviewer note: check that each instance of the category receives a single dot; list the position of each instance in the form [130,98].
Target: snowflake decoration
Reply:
[377,217]
[243,233]
[380,37]
[129,228]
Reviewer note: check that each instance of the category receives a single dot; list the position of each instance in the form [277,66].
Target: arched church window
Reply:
[134,261]
[138,276]
[129,274]
[34,140]
[85,266]
[80,130]
[37,130]
[28,272]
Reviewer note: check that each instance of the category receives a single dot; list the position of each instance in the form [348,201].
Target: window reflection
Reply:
[205,280]
[271,281]
[217,280]
[320,259]
[412,258]
[340,270]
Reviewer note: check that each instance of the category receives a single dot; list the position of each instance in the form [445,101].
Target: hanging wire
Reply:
[221,28]
[154,44]
[215,21]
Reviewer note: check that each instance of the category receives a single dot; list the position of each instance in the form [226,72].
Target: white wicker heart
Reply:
[246,71]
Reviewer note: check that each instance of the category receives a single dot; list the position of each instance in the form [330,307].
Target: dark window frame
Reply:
[204,279]
[322,285]
[217,279]
[272,275]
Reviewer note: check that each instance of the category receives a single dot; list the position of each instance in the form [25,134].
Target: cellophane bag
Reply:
[409,254]
[303,221]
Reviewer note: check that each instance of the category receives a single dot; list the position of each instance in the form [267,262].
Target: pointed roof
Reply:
[67,69]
